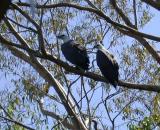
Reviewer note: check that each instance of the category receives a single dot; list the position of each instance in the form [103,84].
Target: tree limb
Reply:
[107,19]
[137,37]
[152,3]
[99,13]
[55,116]
[68,104]
[16,122]
[94,76]
[121,13]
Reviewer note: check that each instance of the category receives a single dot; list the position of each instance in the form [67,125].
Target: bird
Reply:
[74,52]
[4,6]
[107,64]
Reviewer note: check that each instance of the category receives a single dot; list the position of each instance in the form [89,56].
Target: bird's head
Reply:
[63,37]
[100,46]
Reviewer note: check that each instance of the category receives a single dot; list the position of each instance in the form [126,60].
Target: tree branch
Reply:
[55,116]
[91,4]
[54,59]
[121,13]
[18,123]
[100,14]
[39,30]
[152,3]
[135,13]
[137,37]
[57,86]
[107,19]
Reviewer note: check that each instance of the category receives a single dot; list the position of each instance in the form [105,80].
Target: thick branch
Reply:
[152,3]
[140,39]
[155,88]
[107,19]
[47,76]
[99,13]
[57,86]
[55,116]
[18,36]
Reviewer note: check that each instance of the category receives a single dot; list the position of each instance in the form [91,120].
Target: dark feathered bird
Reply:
[107,64]
[74,52]
[4,6]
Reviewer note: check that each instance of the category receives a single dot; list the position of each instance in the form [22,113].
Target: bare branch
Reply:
[16,122]
[135,13]
[154,88]
[100,14]
[91,4]
[139,38]
[25,15]
[39,30]
[55,116]
[152,3]
[114,24]
[121,13]
[69,106]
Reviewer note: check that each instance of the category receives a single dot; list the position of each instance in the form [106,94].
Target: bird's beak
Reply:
[95,46]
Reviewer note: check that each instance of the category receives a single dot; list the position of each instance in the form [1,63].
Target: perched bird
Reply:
[107,64]
[74,52]
[4,6]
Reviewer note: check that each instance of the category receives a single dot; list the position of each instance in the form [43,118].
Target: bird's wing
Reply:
[116,65]
[112,60]
[105,59]
[108,66]
[76,54]
[80,48]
